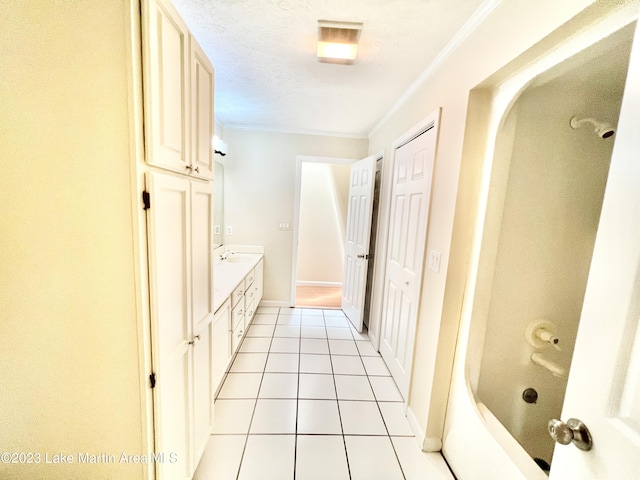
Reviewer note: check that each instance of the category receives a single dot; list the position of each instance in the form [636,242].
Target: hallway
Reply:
[308,397]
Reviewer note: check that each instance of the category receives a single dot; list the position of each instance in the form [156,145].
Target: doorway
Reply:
[322,186]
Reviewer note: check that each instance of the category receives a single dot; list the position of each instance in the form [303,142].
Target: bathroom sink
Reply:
[239,259]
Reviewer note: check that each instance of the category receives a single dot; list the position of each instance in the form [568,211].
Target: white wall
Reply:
[68,306]
[260,172]
[321,234]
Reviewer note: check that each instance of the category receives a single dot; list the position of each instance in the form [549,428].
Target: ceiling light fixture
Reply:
[338,41]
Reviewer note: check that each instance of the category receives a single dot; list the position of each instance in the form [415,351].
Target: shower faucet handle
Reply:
[573,431]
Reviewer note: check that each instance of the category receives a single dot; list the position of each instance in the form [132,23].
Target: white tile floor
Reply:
[307,397]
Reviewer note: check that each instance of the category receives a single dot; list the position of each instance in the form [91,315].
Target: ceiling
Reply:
[268,76]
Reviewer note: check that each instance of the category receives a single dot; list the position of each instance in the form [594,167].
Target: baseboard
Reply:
[426,444]
[275,303]
[415,427]
[310,283]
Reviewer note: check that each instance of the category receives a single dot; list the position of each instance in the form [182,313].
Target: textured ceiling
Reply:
[267,74]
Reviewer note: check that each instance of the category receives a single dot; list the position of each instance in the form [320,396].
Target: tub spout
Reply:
[556,370]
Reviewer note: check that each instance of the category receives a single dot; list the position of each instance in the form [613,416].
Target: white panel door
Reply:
[357,241]
[409,214]
[170,269]
[604,384]
[201,112]
[166,82]
[202,311]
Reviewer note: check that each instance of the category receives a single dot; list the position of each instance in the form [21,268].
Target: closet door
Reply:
[166,85]
[409,218]
[171,329]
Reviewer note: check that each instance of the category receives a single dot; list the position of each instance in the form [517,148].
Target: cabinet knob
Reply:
[195,339]
[189,167]
[197,169]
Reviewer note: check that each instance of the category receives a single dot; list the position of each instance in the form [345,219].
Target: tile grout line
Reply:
[255,405]
[335,386]
[295,437]
[383,420]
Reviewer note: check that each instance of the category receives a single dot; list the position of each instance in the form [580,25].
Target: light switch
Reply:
[284,226]
[434,261]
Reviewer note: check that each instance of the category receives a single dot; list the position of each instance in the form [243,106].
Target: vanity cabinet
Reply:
[241,290]
[178,94]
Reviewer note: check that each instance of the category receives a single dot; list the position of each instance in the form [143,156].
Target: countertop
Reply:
[227,274]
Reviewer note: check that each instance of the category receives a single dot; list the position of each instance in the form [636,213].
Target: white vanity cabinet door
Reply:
[221,344]
[166,87]
[202,79]
[237,323]
[258,283]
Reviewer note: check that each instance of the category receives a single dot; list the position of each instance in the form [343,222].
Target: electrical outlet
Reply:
[229,230]
[217,230]
[434,261]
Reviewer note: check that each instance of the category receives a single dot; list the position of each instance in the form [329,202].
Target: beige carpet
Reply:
[326,297]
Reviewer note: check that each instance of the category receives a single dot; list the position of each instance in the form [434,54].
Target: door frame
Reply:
[300,159]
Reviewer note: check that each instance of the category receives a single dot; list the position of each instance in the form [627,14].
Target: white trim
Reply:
[426,444]
[139,241]
[379,267]
[479,16]
[275,303]
[415,426]
[312,283]
[294,131]
[296,210]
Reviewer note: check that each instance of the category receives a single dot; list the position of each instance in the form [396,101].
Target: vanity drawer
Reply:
[237,315]
[250,296]
[236,337]
[248,280]
[249,313]
[237,294]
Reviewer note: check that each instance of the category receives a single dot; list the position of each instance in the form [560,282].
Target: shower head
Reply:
[602,129]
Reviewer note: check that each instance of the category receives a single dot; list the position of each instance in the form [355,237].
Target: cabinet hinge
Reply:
[146,200]
[152,380]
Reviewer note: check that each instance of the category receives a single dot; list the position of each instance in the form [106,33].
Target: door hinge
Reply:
[152,380]
[146,200]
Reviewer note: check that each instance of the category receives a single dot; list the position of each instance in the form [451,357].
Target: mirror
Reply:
[218,203]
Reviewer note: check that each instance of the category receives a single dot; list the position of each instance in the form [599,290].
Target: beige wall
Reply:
[68,328]
[260,172]
[324,191]
[509,30]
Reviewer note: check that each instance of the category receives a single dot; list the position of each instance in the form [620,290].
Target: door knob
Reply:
[573,431]
[365,256]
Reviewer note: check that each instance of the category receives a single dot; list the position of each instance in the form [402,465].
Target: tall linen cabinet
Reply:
[178,117]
